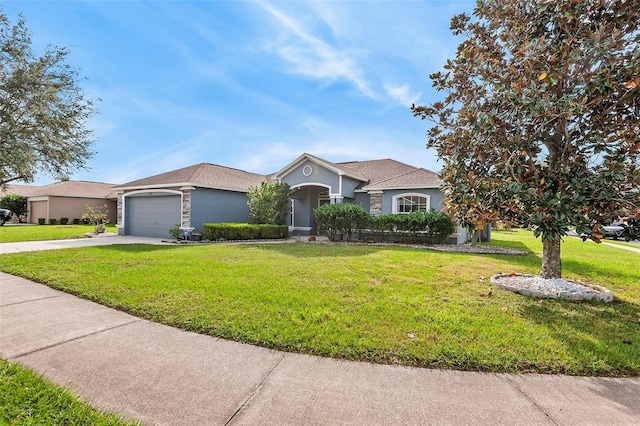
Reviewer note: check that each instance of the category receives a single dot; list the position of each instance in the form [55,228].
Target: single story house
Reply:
[68,199]
[205,193]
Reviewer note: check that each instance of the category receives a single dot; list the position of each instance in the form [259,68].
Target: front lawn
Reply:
[372,303]
[19,233]
[28,399]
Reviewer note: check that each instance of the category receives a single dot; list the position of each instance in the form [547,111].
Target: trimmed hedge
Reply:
[430,227]
[342,219]
[244,231]
[64,220]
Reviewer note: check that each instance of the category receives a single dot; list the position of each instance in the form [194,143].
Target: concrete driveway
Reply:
[81,242]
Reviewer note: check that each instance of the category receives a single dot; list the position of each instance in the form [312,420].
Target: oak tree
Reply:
[541,116]
[43,110]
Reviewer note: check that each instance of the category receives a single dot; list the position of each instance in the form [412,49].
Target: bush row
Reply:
[244,231]
[346,219]
[63,221]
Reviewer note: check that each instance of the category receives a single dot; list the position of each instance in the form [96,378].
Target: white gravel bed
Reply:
[554,288]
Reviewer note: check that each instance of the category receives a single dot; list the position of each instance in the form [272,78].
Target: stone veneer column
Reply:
[119,221]
[375,203]
[186,207]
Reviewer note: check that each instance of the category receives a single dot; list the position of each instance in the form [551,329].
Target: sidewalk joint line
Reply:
[530,399]
[32,300]
[254,392]
[76,338]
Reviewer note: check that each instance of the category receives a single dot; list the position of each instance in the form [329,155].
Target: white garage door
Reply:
[152,216]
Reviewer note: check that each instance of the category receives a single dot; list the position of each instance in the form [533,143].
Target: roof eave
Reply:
[180,184]
[388,188]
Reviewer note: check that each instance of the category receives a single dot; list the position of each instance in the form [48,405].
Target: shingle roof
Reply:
[76,189]
[418,178]
[23,190]
[203,174]
[377,170]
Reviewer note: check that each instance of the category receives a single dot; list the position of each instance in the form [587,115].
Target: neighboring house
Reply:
[69,199]
[205,193]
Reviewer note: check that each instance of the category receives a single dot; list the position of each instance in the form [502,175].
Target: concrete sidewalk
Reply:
[161,375]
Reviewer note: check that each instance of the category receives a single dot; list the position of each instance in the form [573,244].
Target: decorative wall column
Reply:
[375,203]
[186,208]
[120,211]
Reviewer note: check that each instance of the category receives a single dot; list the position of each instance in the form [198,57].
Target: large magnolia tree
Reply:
[43,111]
[541,120]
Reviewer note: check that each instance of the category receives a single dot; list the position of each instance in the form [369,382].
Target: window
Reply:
[409,203]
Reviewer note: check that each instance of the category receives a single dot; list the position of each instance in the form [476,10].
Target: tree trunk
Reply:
[551,263]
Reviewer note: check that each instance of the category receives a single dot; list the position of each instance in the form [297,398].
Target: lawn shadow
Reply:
[604,338]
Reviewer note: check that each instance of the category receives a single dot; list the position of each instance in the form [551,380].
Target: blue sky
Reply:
[249,84]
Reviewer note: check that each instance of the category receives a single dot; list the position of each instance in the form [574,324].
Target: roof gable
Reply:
[324,163]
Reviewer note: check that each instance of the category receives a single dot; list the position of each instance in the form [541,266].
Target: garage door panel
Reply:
[152,216]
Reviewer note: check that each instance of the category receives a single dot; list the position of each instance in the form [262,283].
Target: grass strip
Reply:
[23,233]
[27,398]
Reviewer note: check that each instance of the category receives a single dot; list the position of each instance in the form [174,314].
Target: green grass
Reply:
[371,303]
[19,233]
[28,399]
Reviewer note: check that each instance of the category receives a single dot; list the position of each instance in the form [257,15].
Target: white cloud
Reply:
[402,94]
[313,57]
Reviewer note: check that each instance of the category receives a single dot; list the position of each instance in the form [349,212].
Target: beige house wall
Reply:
[69,207]
[73,208]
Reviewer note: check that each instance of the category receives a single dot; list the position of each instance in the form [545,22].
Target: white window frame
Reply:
[397,198]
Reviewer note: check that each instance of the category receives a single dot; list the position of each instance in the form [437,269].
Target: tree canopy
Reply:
[43,110]
[16,203]
[540,124]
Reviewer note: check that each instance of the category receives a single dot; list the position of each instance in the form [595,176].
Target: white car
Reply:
[614,230]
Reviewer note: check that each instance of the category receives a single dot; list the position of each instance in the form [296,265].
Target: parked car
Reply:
[5,216]
[614,230]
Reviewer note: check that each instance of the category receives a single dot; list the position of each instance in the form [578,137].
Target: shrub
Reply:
[175,232]
[432,227]
[64,220]
[97,216]
[269,203]
[244,231]
[53,221]
[42,221]
[76,221]
[341,219]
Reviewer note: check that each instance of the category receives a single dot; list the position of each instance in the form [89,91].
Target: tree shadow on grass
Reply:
[602,338]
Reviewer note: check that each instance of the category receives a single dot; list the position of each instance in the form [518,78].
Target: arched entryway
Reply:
[305,199]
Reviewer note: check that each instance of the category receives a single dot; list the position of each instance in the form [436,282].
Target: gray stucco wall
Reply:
[348,186]
[436,198]
[318,175]
[362,199]
[215,206]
